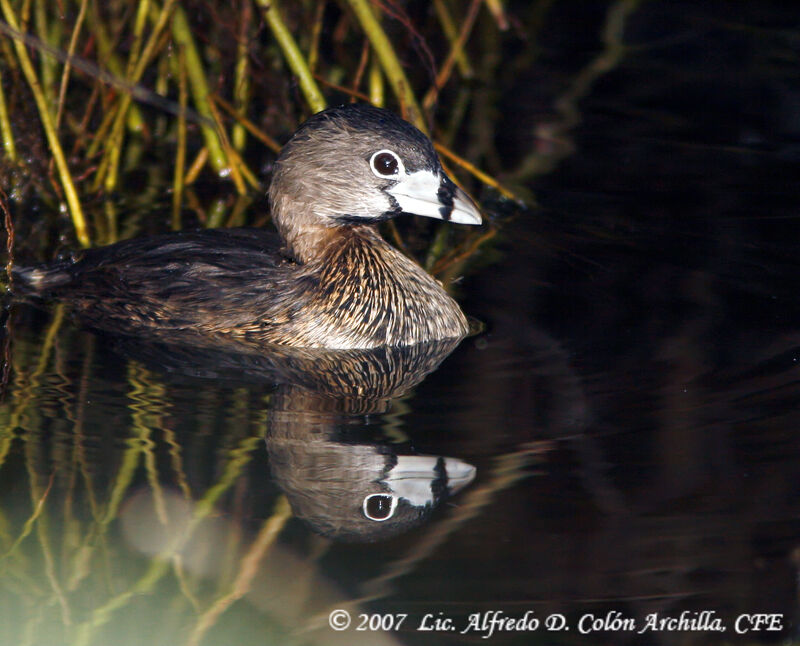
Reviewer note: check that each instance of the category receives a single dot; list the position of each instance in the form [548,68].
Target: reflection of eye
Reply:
[379,506]
[385,163]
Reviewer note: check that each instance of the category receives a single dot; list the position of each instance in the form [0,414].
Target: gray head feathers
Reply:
[359,164]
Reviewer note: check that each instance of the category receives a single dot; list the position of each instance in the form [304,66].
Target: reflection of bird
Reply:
[334,283]
[360,492]
[315,379]
[345,487]
[342,482]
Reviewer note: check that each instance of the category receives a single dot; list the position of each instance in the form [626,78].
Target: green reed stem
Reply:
[451,262]
[438,246]
[8,53]
[198,83]
[108,171]
[241,77]
[175,449]
[180,154]
[139,25]
[78,220]
[316,32]
[377,95]
[458,113]
[164,75]
[124,477]
[568,104]
[235,164]
[73,43]
[196,166]
[47,66]
[7,134]
[217,214]
[25,386]
[474,170]
[111,60]
[83,546]
[147,414]
[294,58]
[389,61]
[100,136]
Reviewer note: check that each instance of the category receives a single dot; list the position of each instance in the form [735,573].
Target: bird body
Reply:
[327,279]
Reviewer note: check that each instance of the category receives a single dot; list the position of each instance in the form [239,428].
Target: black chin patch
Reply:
[394,208]
[393,211]
[446,192]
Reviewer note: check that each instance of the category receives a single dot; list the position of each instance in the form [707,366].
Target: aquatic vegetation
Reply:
[197,96]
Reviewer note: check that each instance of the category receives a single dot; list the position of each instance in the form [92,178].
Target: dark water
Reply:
[631,410]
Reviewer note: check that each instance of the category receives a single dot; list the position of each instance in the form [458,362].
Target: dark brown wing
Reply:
[211,280]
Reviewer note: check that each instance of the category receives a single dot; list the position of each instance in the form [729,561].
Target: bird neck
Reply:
[310,236]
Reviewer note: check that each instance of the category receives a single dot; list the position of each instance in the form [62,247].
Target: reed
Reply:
[180,153]
[78,220]
[223,95]
[7,134]
[390,62]
[294,57]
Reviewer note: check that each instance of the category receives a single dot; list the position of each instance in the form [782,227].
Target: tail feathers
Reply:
[40,279]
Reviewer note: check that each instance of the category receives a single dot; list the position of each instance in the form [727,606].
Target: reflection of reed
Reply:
[71,522]
[25,386]
[249,567]
[148,410]
[119,503]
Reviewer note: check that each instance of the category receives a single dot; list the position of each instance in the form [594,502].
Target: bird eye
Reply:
[379,506]
[385,163]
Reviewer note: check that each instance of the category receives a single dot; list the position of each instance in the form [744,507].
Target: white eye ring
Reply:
[398,171]
[365,507]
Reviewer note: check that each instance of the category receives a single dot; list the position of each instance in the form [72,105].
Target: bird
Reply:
[324,279]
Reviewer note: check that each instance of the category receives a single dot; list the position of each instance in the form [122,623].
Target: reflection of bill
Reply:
[361,492]
[417,480]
